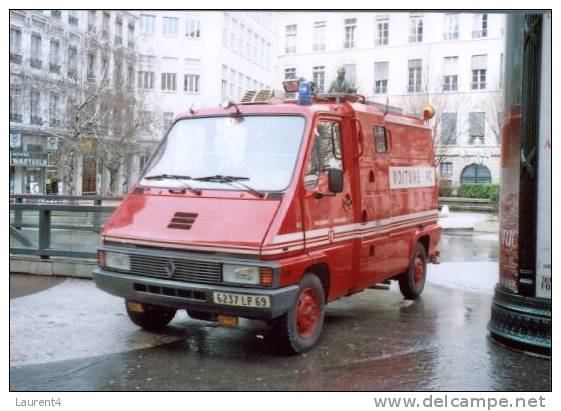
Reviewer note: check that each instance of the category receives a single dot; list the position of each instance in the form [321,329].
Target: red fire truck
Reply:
[270,209]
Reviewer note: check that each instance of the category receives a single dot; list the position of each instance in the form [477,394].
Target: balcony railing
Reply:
[416,39]
[16,118]
[349,44]
[118,41]
[56,14]
[36,63]
[481,85]
[131,44]
[72,74]
[36,120]
[15,58]
[73,20]
[54,122]
[381,42]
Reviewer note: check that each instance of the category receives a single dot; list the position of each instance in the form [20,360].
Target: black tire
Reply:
[292,336]
[412,283]
[153,318]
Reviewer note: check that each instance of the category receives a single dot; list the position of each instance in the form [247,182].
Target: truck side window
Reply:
[380,139]
[326,152]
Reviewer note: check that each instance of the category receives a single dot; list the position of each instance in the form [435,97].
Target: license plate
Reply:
[241,300]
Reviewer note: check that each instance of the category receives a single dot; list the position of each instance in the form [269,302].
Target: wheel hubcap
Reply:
[307,312]
[418,270]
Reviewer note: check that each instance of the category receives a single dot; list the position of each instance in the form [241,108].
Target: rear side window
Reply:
[380,139]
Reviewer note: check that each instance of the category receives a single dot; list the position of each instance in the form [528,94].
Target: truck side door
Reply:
[326,216]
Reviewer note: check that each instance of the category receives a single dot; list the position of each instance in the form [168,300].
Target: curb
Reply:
[62,267]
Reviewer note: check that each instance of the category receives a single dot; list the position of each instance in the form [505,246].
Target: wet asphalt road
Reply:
[371,341]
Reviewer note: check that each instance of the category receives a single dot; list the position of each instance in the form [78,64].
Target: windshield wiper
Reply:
[230,180]
[178,179]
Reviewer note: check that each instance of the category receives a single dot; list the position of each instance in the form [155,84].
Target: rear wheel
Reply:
[148,316]
[300,327]
[412,282]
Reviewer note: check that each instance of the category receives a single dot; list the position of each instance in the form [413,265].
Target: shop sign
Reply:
[15,140]
[28,158]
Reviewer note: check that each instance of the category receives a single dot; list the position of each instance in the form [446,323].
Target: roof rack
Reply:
[339,97]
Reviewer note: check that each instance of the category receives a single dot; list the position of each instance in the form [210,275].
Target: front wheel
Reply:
[300,327]
[148,316]
[412,282]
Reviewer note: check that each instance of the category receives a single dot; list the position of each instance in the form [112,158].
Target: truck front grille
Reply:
[176,269]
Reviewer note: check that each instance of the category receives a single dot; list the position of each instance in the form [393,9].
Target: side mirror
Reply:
[335,180]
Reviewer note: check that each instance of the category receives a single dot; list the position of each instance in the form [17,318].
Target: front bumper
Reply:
[195,296]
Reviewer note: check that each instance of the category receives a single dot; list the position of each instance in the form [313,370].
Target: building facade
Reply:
[56,58]
[453,61]
[198,59]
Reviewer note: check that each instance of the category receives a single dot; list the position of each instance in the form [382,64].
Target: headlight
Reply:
[240,274]
[118,261]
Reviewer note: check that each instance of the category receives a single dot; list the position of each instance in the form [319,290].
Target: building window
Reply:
[479,26]
[36,50]
[105,25]
[15,45]
[319,77]
[130,39]
[255,47]
[35,108]
[382,30]
[248,38]
[476,174]
[240,85]
[90,61]
[193,30]
[479,72]
[130,77]
[290,38]
[169,81]
[234,35]
[232,83]
[350,74]
[92,21]
[191,83]
[146,118]
[450,71]
[350,28]
[168,119]
[54,115]
[146,80]
[170,26]
[226,30]
[448,129]
[477,128]
[415,74]
[381,74]
[415,28]
[451,26]
[73,17]
[118,73]
[241,40]
[319,36]
[118,31]
[72,61]
[54,56]
[16,105]
[446,170]
[147,24]
[290,73]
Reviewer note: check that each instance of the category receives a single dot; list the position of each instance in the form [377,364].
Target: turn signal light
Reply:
[101,258]
[266,276]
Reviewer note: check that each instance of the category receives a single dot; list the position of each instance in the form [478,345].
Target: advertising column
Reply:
[521,310]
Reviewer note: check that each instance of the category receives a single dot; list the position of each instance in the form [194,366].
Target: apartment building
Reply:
[189,59]
[55,57]
[453,61]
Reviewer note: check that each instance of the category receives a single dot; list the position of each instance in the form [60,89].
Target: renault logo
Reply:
[170,268]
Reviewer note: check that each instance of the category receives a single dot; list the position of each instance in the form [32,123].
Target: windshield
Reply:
[260,149]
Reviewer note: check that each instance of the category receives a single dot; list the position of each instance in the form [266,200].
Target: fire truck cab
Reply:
[270,209]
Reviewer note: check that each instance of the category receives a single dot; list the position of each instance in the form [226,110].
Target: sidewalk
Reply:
[463,220]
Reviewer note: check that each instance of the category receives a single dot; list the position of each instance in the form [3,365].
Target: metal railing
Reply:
[54,225]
